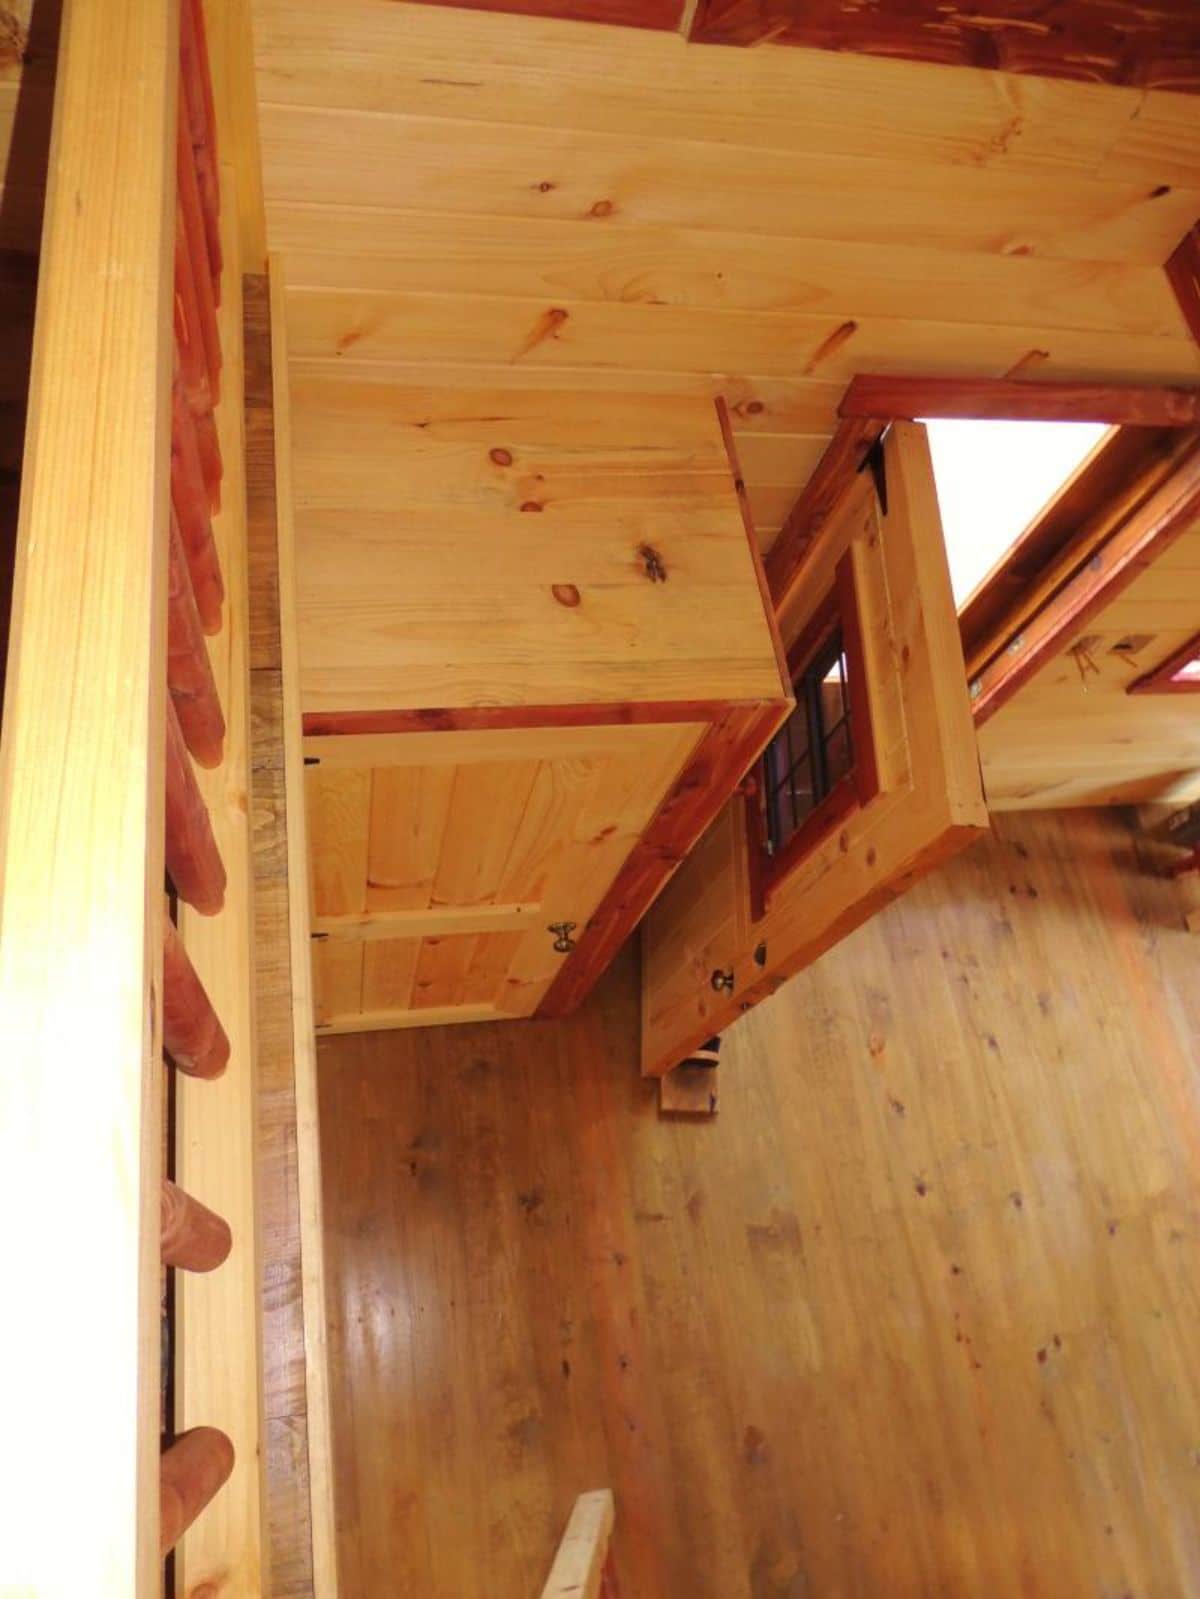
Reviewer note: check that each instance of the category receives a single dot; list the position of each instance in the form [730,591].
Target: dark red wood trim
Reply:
[1141,539]
[760,573]
[471,718]
[1013,400]
[661,15]
[835,471]
[1183,274]
[1159,681]
[1150,45]
[722,758]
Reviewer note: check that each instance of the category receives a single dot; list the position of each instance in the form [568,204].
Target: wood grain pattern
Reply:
[81,822]
[1154,45]
[958,1231]
[552,554]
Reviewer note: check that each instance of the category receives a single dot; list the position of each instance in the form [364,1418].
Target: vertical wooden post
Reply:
[308,1135]
[81,828]
[218,1346]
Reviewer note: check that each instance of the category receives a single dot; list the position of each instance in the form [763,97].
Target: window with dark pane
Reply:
[814,750]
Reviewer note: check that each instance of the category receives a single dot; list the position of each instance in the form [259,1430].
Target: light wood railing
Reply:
[123,759]
[583,1567]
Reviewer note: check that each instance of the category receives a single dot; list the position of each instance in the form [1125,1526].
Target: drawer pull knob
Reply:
[563,942]
[722,982]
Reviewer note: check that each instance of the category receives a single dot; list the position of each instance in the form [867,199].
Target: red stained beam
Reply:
[191,1472]
[195,82]
[189,670]
[189,339]
[1005,400]
[192,1031]
[194,863]
[194,1238]
[191,212]
[1152,45]
[190,499]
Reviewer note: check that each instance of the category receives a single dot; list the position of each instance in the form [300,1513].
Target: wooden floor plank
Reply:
[915,1314]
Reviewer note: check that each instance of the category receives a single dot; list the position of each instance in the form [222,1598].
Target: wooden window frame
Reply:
[837,609]
[1159,680]
[1165,424]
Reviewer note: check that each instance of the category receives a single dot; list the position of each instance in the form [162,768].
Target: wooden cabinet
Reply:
[536,659]
[712,946]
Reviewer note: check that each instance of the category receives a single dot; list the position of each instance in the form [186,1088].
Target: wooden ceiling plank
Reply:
[493,331]
[363,55]
[406,251]
[420,163]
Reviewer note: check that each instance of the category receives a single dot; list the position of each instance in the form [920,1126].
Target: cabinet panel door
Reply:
[716,942]
[442,861]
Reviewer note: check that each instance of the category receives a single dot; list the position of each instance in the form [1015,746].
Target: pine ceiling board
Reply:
[368,55]
[477,411]
[419,163]
[1155,42]
[356,247]
[775,405]
[468,328]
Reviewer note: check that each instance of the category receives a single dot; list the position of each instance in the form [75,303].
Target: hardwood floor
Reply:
[918,1314]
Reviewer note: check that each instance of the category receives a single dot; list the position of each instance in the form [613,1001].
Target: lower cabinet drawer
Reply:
[452,871]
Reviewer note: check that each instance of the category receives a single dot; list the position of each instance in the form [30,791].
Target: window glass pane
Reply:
[814,750]
[993,479]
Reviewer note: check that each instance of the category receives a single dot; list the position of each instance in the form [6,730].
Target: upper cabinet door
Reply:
[454,873]
[873,780]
